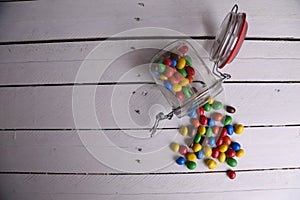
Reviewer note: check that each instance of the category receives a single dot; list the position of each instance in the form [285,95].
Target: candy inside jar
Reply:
[185,80]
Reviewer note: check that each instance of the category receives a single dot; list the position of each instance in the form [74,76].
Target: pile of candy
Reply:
[211,138]
[211,132]
[176,72]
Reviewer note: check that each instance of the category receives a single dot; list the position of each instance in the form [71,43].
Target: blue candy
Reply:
[174,63]
[230,129]
[235,146]
[168,85]
[199,154]
[156,73]
[212,141]
[210,122]
[180,161]
[193,114]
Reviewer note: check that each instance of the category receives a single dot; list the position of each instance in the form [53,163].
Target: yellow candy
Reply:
[197,147]
[211,164]
[163,77]
[238,128]
[210,100]
[183,131]
[191,157]
[240,153]
[177,88]
[207,151]
[223,148]
[185,82]
[222,157]
[201,130]
[181,63]
[175,147]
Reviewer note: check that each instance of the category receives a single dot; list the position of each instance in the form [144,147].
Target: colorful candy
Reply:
[207,107]
[227,120]
[183,150]
[197,147]
[197,138]
[191,157]
[238,128]
[181,63]
[202,130]
[222,157]
[211,164]
[195,122]
[175,147]
[231,162]
[217,116]
[191,165]
[183,131]
[180,161]
[235,146]
[217,105]
[240,153]
[230,109]
[231,174]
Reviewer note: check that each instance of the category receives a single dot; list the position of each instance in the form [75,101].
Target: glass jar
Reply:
[183,77]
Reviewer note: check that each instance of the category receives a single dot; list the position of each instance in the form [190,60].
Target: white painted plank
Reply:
[79,151]
[40,20]
[60,63]
[281,194]
[113,106]
[266,183]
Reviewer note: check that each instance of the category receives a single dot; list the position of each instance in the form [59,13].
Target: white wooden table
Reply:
[63,87]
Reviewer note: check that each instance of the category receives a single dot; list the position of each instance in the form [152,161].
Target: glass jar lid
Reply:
[230,38]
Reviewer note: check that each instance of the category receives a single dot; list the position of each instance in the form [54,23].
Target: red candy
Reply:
[230,153]
[191,79]
[183,49]
[219,141]
[173,80]
[167,61]
[223,132]
[203,120]
[180,96]
[231,174]
[226,140]
[201,111]
[190,71]
[215,153]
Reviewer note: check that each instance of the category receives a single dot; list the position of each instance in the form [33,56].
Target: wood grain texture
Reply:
[267,183]
[71,152]
[94,107]
[68,19]
[60,63]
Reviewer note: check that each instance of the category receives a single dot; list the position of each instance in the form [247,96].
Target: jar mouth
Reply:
[229,38]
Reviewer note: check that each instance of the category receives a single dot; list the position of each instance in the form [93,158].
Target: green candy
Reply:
[217,105]
[209,132]
[187,92]
[191,165]
[183,72]
[197,138]
[161,67]
[207,107]
[188,60]
[227,120]
[231,162]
